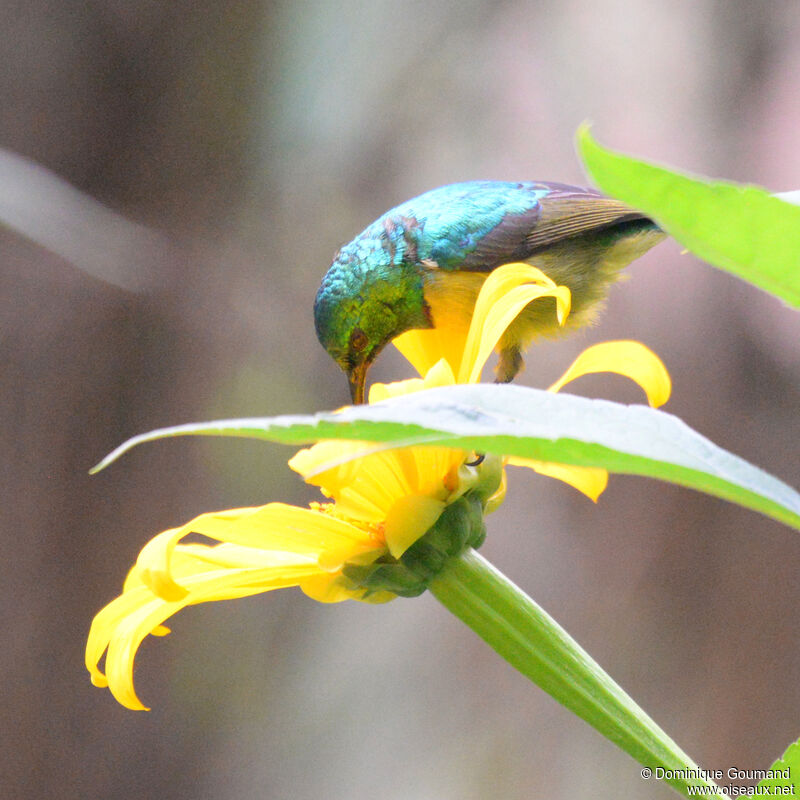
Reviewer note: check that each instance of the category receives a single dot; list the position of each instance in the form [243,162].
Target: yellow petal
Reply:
[592,481]
[153,565]
[383,391]
[409,519]
[105,622]
[375,486]
[332,561]
[187,560]
[190,559]
[628,358]
[328,588]
[290,545]
[439,374]
[423,348]
[279,526]
[498,318]
[504,294]
[123,624]
[324,456]
[403,490]
[274,527]
[465,349]
[368,487]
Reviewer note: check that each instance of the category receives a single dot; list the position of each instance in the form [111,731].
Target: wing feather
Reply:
[565,212]
[571,212]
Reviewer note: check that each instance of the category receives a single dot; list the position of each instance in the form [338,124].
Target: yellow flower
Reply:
[384,500]
[506,291]
[403,490]
[259,549]
[384,503]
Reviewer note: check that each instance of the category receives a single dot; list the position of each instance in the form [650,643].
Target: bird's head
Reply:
[360,307]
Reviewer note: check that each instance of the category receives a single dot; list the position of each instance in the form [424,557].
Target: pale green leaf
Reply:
[515,420]
[742,229]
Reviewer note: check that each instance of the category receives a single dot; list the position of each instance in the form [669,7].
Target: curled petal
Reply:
[498,498]
[628,358]
[260,549]
[122,625]
[505,293]
[325,588]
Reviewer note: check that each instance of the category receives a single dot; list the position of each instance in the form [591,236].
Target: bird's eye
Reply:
[358,340]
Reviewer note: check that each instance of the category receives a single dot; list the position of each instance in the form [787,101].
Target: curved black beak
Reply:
[358,379]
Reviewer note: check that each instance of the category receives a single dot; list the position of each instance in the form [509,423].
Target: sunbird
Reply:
[422,264]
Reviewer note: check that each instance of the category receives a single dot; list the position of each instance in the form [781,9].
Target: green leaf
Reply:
[524,634]
[789,765]
[516,420]
[742,229]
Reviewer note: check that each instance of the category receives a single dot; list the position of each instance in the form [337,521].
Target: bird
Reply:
[421,265]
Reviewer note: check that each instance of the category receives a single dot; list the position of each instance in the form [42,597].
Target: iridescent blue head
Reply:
[374,288]
[365,300]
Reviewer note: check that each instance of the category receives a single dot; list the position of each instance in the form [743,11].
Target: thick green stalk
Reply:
[532,641]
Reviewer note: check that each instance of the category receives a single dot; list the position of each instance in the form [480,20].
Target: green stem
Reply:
[528,638]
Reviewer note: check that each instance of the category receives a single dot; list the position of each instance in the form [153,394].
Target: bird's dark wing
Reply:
[563,213]
[568,211]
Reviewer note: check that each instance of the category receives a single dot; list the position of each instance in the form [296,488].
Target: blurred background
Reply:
[175,180]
